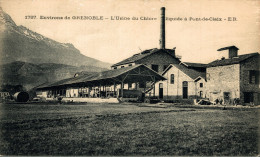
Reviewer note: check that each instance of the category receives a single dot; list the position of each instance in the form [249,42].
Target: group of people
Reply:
[221,101]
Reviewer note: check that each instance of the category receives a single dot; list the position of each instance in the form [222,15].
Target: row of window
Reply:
[172,80]
[155,67]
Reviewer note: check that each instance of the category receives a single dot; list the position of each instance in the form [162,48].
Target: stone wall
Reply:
[223,79]
[249,64]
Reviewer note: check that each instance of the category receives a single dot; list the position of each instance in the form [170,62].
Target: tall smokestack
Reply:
[162,34]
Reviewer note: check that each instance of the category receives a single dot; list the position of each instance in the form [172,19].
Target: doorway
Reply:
[201,94]
[227,97]
[248,97]
[160,91]
[185,90]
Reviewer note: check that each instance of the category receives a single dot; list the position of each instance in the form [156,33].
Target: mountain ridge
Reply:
[30,59]
[22,44]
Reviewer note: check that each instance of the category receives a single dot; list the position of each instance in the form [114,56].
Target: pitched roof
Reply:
[142,55]
[193,74]
[234,60]
[227,48]
[197,65]
[105,75]
[52,84]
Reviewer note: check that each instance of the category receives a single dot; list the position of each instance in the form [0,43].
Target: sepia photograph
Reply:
[128,78]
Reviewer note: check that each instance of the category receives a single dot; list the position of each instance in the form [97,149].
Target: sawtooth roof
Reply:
[193,74]
[142,55]
[234,60]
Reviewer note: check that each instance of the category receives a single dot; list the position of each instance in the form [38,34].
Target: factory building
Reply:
[156,59]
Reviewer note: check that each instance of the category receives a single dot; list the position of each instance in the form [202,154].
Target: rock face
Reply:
[30,59]
[18,43]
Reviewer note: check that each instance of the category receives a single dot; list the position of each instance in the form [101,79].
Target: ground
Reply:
[127,129]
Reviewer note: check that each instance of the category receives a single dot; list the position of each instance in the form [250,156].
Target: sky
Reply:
[114,40]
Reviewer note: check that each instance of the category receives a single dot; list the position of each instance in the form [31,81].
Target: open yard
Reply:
[127,129]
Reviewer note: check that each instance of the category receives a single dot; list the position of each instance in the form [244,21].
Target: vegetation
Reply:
[12,89]
[110,129]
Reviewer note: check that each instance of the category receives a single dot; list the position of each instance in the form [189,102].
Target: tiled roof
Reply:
[197,65]
[193,74]
[143,54]
[234,60]
[52,84]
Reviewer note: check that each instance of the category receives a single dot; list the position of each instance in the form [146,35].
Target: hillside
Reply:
[30,75]
[30,59]
[18,43]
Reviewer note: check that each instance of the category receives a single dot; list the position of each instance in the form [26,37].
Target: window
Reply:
[115,67]
[253,77]
[130,65]
[122,66]
[201,85]
[155,67]
[172,78]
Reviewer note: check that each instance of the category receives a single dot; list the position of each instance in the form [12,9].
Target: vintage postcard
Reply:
[134,77]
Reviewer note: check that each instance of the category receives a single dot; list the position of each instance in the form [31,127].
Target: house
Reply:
[234,77]
[183,84]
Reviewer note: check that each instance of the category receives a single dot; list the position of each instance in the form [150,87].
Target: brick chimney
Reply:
[232,51]
[173,51]
[162,29]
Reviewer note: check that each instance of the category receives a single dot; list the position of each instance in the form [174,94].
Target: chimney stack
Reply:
[232,51]
[173,51]
[162,33]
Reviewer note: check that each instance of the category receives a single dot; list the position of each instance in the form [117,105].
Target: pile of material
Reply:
[203,102]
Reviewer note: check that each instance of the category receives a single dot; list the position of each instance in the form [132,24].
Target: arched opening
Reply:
[184,89]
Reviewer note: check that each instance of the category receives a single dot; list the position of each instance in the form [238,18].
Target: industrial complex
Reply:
[158,73]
